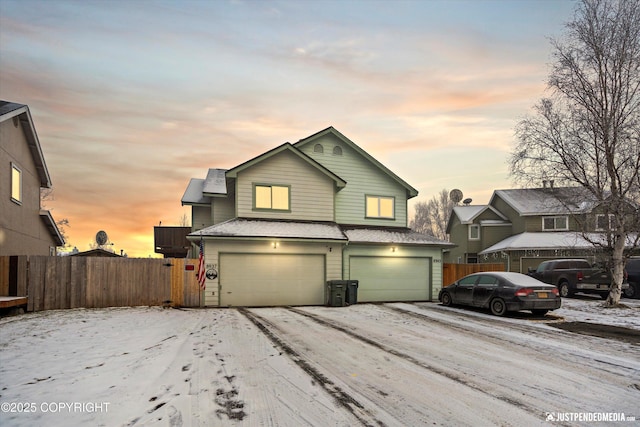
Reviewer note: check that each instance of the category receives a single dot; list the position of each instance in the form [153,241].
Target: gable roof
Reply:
[547,201]
[9,110]
[468,213]
[233,173]
[411,192]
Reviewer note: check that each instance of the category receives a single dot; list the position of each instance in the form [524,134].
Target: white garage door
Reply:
[390,278]
[252,280]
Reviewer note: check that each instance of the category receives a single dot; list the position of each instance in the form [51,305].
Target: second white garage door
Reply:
[390,278]
[253,280]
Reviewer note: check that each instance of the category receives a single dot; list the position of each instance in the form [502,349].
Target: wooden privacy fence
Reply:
[453,272]
[74,282]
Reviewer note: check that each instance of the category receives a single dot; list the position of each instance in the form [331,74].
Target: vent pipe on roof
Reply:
[544,183]
[551,183]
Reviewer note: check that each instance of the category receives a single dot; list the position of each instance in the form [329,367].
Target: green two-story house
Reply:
[277,227]
[523,227]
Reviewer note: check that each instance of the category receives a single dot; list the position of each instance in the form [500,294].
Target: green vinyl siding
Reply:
[519,223]
[311,192]
[200,217]
[363,178]
[224,209]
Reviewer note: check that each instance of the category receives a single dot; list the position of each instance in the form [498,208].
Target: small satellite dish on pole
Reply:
[102,238]
[455,195]
[467,202]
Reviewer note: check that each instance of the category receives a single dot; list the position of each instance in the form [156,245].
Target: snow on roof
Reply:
[405,236]
[279,229]
[193,194]
[241,227]
[549,240]
[215,182]
[545,201]
[467,213]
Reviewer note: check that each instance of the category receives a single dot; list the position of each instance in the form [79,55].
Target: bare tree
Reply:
[431,217]
[46,195]
[587,132]
[184,221]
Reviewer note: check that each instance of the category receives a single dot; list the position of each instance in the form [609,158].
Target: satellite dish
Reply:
[467,201]
[455,195]
[102,238]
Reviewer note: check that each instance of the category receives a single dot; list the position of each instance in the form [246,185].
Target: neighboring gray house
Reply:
[25,228]
[523,227]
[278,226]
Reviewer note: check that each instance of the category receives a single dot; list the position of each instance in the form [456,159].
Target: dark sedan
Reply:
[501,292]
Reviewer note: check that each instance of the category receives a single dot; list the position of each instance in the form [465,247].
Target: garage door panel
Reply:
[269,279]
[390,278]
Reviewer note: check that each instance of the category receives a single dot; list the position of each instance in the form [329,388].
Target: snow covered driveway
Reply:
[391,364]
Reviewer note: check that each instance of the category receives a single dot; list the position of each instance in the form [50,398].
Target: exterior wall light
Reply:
[393,248]
[274,245]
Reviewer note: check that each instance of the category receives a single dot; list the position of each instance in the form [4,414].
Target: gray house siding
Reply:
[22,230]
[224,209]
[200,217]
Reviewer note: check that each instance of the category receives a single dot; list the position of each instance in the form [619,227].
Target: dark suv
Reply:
[633,272]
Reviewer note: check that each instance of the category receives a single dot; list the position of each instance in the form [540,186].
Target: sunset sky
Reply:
[131,99]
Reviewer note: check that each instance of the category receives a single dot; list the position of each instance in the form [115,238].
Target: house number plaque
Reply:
[212,271]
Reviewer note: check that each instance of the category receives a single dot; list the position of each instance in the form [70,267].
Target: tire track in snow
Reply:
[343,399]
[490,325]
[447,374]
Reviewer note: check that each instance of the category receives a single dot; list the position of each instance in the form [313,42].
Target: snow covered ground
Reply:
[390,364]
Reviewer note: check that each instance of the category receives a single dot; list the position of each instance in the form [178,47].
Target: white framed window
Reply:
[380,207]
[554,223]
[271,197]
[604,222]
[474,232]
[16,184]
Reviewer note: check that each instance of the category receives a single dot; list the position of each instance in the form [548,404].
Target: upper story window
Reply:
[604,222]
[380,207]
[550,223]
[474,232]
[337,150]
[318,148]
[16,184]
[274,197]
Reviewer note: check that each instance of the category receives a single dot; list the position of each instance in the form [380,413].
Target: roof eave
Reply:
[52,227]
[24,116]
[411,192]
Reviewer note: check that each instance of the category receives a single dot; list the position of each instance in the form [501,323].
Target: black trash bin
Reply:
[352,292]
[337,290]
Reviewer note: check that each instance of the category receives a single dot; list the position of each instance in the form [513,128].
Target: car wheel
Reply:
[498,307]
[632,291]
[540,312]
[446,299]
[564,290]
